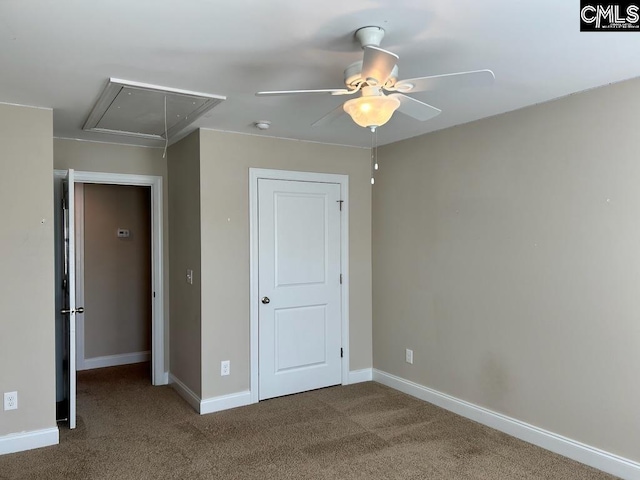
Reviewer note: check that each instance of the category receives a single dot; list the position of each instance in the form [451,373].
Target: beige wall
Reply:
[117,271]
[507,256]
[184,218]
[224,183]
[27,339]
[114,158]
[107,157]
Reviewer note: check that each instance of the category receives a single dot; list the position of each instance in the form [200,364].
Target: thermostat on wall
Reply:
[123,233]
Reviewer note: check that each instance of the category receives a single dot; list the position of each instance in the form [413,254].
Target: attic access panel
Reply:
[137,109]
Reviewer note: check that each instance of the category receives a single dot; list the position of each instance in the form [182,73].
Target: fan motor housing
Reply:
[353,76]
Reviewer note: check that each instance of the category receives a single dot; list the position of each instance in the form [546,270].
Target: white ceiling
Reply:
[61,53]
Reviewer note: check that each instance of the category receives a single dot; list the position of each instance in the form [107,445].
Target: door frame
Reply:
[159,376]
[79,249]
[256,174]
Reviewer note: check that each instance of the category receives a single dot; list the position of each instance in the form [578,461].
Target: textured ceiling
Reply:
[60,54]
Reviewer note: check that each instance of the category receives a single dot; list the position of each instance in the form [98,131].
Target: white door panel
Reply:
[292,324]
[300,239]
[299,272]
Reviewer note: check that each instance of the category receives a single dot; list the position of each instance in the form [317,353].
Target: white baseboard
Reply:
[185,392]
[18,442]
[115,360]
[358,376]
[594,457]
[210,405]
[225,402]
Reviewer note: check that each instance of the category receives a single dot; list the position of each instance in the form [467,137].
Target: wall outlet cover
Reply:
[225,368]
[409,356]
[11,400]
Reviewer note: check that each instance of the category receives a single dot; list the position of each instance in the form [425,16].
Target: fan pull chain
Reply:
[374,154]
[373,180]
[375,165]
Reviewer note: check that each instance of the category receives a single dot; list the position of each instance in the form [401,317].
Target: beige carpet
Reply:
[128,429]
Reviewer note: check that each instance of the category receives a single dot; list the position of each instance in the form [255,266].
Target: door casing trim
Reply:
[158,374]
[256,174]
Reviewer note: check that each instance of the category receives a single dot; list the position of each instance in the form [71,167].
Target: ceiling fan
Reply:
[381,93]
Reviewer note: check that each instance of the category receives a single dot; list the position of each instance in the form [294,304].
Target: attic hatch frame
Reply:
[116,85]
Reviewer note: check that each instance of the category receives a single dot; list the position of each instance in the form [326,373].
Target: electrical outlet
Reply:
[409,356]
[11,400]
[225,368]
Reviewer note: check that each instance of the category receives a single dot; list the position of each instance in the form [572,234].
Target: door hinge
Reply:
[340,202]
[340,279]
[341,352]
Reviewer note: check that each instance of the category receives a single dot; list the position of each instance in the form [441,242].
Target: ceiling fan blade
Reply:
[377,65]
[477,78]
[332,91]
[415,108]
[329,117]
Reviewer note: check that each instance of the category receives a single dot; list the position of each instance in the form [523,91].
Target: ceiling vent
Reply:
[138,109]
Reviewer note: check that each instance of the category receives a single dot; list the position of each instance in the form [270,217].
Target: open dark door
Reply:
[67,408]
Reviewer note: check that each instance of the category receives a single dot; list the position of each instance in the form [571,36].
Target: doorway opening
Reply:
[113,275]
[108,277]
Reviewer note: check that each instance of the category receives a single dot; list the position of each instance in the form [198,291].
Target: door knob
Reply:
[80,310]
[265,300]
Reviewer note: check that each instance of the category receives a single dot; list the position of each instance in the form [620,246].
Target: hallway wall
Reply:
[117,271]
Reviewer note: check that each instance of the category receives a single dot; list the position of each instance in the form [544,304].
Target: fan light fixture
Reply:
[371,110]
[375,77]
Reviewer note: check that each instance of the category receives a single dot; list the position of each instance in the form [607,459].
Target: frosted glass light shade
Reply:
[371,111]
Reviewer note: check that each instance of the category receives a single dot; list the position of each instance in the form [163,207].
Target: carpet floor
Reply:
[128,429]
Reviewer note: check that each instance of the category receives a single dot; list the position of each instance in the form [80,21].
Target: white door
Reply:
[69,296]
[299,286]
